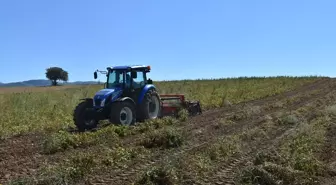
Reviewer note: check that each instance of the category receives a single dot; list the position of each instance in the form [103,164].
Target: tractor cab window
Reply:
[137,82]
[115,79]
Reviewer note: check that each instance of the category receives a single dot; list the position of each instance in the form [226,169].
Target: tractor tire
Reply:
[123,113]
[83,117]
[150,108]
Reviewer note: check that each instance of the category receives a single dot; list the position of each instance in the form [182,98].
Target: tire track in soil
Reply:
[154,159]
[225,174]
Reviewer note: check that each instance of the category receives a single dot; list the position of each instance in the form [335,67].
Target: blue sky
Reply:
[178,38]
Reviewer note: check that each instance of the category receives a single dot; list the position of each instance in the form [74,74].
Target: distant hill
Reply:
[41,82]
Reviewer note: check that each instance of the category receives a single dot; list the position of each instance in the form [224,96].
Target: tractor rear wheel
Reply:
[150,108]
[123,113]
[84,116]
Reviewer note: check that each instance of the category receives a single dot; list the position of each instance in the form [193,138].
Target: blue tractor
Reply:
[128,96]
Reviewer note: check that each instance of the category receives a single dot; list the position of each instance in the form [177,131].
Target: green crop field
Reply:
[52,110]
[38,148]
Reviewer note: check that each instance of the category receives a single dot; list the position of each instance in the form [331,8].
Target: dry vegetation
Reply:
[4,90]
[254,131]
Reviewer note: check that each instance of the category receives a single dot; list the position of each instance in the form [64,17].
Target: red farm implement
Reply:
[172,103]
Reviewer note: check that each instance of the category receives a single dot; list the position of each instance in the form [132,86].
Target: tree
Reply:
[56,73]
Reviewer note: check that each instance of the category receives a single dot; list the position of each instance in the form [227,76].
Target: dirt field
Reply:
[288,138]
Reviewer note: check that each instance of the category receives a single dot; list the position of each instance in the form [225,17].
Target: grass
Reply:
[288,119]
[331,110]
[212,93]
[166,138]
[156,124]
[50,115]
[35,111]
[223,148]
[110,136]
[39,111]
[163,175]
[301,149]
[62,140]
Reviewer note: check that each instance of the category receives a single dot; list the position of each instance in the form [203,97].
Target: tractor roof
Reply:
[131,67]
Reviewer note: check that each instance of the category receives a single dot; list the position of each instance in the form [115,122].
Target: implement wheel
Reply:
[123,113]
[150,108]
[84,116]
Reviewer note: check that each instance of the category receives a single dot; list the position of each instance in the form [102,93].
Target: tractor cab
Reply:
[127,77]
[123,81]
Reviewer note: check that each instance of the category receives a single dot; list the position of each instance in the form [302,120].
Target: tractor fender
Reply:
[144,91]
[125,99]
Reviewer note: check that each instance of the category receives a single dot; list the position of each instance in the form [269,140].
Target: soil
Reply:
[19,156]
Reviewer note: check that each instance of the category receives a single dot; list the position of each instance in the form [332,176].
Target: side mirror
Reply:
[105,85]
[95,75]
[150,81]
[134,74]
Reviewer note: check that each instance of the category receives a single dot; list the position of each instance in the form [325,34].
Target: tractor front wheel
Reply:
[123,113]
[150,108]
[84,116]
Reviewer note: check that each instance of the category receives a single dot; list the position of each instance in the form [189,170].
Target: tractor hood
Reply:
[106,95]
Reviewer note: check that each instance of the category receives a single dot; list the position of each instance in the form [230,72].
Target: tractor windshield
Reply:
[115,79]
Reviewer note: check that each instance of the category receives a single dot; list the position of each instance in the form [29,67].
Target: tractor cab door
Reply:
[135,82]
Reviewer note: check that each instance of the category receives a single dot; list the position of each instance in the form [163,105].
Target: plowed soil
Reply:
[22,156]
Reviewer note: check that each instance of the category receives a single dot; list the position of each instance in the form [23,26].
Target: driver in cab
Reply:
[129,80]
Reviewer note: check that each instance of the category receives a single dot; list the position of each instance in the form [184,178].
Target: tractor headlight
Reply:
[102,103]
